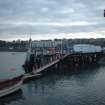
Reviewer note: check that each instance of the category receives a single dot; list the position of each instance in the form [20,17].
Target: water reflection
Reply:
[12,97]
[51,81]
[83,87]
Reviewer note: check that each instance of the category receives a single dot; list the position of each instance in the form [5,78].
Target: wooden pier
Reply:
[72,61]
[82,55]
[38,71]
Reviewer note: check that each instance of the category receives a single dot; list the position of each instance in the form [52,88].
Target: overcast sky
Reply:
[45,19]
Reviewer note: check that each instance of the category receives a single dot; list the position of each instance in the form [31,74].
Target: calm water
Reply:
[86,87]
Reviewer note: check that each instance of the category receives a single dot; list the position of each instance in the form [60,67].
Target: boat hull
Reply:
[11,89]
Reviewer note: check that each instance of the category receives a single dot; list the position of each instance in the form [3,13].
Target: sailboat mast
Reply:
[30,44]
[29,51]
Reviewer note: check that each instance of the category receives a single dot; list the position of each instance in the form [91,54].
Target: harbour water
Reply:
[84,87]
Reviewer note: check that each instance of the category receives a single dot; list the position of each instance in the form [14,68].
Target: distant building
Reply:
[46,46]
[86,48]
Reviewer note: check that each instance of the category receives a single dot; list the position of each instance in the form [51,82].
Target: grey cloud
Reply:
[49,11]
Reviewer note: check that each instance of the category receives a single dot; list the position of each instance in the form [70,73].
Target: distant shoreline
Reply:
[13,50]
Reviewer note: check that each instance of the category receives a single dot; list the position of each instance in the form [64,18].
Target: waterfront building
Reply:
[86,48]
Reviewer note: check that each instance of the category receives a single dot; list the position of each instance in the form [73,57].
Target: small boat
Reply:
[11,74]
[9,86]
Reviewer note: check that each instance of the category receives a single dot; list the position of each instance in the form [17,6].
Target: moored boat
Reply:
[11,73]
[10,86]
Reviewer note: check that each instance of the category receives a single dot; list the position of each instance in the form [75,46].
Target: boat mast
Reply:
[29,51]
[30,44]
